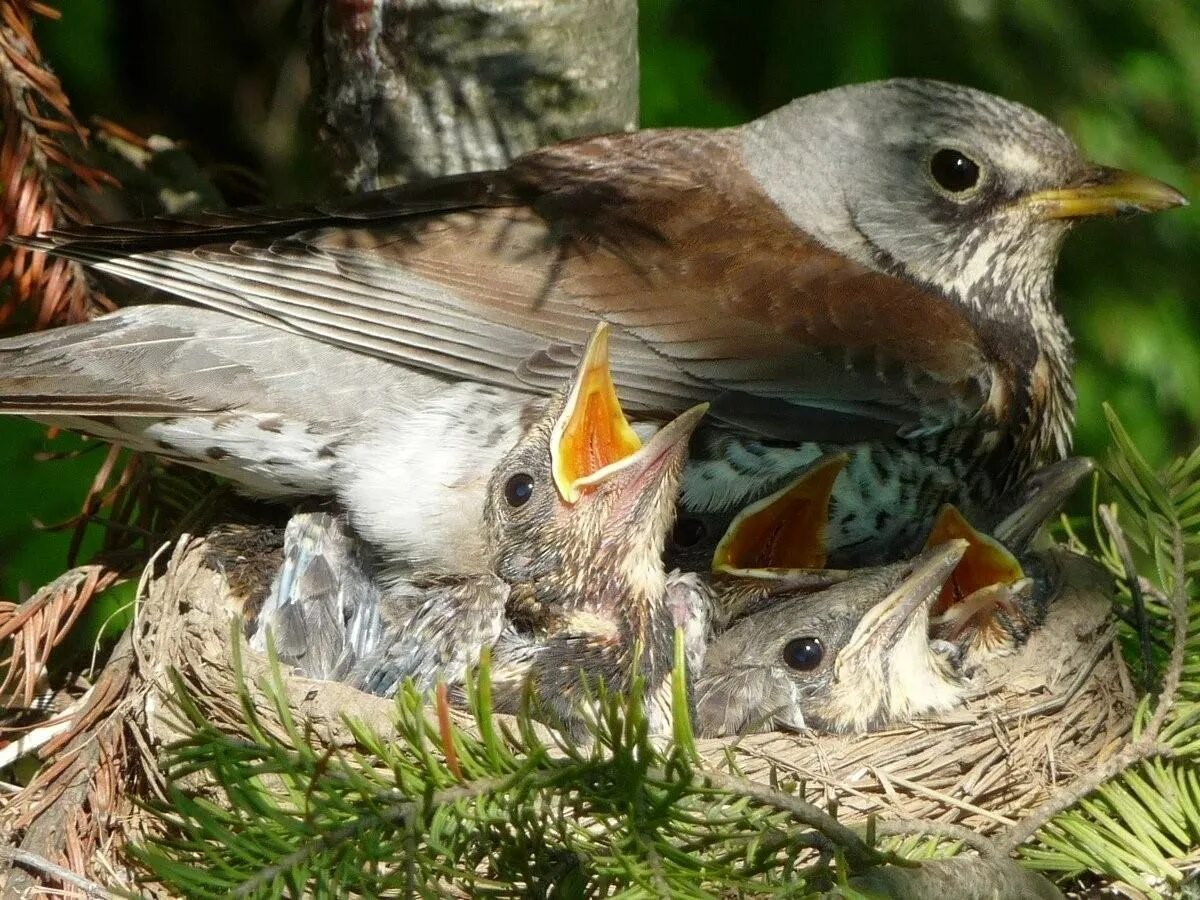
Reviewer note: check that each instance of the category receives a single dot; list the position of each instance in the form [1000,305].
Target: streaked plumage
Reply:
[573,590]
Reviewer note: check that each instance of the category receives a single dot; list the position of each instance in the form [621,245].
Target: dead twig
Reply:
[1108,515]
[39,169]
[42,865]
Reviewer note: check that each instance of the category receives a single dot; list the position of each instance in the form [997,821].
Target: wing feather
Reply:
[714,293]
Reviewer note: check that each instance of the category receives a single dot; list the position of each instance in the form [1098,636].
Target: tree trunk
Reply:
[415,88]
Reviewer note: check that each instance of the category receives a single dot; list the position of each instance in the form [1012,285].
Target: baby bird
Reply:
[989,604]
[855,656]
[323,608]
[579,511]
[576,515]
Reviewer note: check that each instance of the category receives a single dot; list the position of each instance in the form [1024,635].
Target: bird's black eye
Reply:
[803,654]
[688,532]
[518,490]
[953,170]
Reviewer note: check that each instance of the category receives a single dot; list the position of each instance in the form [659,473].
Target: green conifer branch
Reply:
[1137,816]
[614,813]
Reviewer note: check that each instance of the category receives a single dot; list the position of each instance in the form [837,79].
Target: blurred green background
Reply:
[1122,76]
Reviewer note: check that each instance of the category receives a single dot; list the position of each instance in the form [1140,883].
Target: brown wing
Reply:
[501,276]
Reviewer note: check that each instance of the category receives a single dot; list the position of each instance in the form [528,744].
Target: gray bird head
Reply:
[853,657]
[579,510]
[955,188]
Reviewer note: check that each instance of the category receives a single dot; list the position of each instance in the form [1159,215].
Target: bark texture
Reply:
[415,88]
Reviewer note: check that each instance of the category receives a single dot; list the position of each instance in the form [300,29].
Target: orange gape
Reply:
[785,530]
[599,436]
[592,432]
[986,562]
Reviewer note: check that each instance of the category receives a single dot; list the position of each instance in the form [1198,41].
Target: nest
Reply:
[1035,721]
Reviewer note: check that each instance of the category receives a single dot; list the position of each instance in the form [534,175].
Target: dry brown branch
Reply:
[40,170]
[33,861]
[35,627]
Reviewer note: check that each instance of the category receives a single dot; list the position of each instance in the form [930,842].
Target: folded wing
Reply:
[500,276]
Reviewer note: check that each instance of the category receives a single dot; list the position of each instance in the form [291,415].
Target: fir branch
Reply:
[618,811]
[856,850]
[1138,752]
[946,830]
[1179,604]
[1140,810]
[398,814]
[1108,516]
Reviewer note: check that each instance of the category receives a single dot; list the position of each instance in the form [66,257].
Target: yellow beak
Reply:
[1104,191]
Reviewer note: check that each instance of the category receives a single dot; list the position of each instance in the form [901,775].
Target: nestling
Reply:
[855,656]
[576,515]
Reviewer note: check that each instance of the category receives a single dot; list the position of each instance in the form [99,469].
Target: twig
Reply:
[40,864]
[656,872]
[446,731]
[1179,618]
[1134,753]
[946,799]
[857,850]
[1109,517]
[394,814]
[949,830]
[1102,648]
[39,737]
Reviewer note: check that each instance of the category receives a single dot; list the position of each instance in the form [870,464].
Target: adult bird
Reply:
[867,269]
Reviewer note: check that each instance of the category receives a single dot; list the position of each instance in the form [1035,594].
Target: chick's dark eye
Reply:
[953,170]
[688,532]
[803,654]
[518,490]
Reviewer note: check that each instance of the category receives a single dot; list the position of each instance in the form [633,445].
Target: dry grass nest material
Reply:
[1035,721]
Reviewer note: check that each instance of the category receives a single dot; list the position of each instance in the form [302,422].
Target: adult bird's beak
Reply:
[1043,495]
[1105,191]
[885,630]
[592,432]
